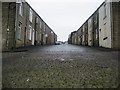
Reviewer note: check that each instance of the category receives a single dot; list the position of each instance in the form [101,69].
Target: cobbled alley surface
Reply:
[60,66]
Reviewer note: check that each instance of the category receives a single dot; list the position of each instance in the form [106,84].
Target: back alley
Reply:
[60,66]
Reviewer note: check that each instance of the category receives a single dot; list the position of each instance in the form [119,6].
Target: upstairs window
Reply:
[105,11]
[40,24]
[37,20]
[96,17]
[31,15]
[21,9]
[51,31]
[44,28]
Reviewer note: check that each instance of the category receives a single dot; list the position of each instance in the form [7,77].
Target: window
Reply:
[51,31]
[31,15]
[40,24]
[44,28]
[36,35]
[37,20]
[20,31]
[97,33]
[96,18]
[105,12]
[21,9]
[29,33]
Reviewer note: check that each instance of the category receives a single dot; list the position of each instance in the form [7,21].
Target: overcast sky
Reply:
[64,16]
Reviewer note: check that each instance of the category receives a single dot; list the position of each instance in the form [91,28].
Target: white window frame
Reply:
[105,10]
[30,33]
[96,33]
[19,31]
[51,32]
[40,24]
[21,9]
[30,15]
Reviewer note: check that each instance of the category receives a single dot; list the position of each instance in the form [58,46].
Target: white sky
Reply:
[64,16]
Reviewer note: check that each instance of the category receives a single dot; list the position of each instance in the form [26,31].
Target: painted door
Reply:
[33,37]
[25,37]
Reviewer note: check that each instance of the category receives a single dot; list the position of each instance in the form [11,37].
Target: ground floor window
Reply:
[29,33]
[36,35]
[19,37]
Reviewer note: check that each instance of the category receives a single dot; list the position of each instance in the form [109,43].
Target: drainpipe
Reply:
[15,26]
[35,27]
[7,39]
[111,23]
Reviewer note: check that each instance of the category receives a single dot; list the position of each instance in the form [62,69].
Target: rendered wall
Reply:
[105,26]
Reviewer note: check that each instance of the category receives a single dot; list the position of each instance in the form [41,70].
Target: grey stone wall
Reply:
[0,45]
[86,33]
[0,26]
[32,24]
[55,38]
[90,31]
[21,19]
[38,30]
[116,24]
[48,37]
[8,25]
[96,29]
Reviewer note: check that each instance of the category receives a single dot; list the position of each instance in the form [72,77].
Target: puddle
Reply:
[71,59]
[62,59]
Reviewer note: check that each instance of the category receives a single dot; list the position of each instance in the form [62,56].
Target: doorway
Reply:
[33,37]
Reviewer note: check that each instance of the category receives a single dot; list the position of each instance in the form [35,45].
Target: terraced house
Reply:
[22,26]
[102,28]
